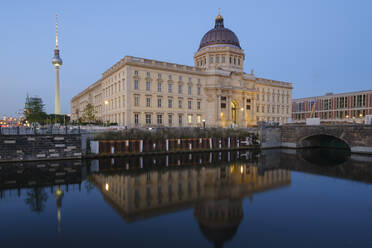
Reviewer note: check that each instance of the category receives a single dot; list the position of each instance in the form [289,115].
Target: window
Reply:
[170,103]
[223,59]
[148,102]
[248,107]
[234,61]
[179,78]
[198,104]
[169,87]
[180,89]
[189,119]
[190,80]
[189,89]
[218,59]
[189,104]
[136,73]
[159,86]
[198,80]
[273,109]
[136,84]
[159,102]
[268,108]
[159,75]
[198,91]
[148,74]
[258,97]
[180,103]
[258,109]
[211,59]
[238,61]
[263,96]
[170,77]
[136,101]
[148,118]
[223,105]
[198,119]
[230,60]
[159,119]
[223,98]
[180,120]
[148,85]
[136,119]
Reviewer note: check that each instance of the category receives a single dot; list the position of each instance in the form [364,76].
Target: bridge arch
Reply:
[323,141]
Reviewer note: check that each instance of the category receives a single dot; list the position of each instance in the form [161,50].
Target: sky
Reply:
[318,45]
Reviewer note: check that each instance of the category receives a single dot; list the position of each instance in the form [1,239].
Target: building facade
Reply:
[139,92]
[349,107]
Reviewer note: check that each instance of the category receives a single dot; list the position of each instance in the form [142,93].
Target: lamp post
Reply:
[203,123]
[106,103]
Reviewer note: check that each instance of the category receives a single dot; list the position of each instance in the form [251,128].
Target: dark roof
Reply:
[219,35]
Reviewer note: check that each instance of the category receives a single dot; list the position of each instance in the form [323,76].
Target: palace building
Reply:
[139,92]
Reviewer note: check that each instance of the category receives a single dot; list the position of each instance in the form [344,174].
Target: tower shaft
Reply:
[57,102]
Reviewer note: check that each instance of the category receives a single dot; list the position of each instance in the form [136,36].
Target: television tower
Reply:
[57,62]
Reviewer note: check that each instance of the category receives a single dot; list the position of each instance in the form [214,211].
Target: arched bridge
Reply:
[357,138]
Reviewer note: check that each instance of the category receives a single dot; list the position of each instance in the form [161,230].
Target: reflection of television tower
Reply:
[58,195]
[57,62]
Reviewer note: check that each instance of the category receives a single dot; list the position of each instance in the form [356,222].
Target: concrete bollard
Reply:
[167,145]
[210,144]
[228,142]
[190,146]
[141,146]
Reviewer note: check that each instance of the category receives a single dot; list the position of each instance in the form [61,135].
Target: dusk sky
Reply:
[319,45]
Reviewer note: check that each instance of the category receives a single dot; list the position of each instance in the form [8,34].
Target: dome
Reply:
[219,35]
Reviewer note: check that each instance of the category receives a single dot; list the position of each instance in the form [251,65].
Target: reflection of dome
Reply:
[219,35]
[219,219]
[218,235]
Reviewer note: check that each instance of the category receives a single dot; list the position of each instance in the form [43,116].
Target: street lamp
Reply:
[106,103]
[203,123]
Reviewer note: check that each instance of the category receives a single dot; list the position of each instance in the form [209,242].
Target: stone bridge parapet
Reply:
[357,137]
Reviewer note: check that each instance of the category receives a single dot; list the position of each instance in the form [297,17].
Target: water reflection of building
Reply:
[215,193]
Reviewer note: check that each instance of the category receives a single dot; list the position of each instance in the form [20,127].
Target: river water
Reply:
[273,198]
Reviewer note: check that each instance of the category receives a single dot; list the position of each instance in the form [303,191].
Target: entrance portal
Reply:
[233,112]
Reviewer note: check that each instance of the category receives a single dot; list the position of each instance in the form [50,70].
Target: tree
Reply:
[34,110]
[89,114]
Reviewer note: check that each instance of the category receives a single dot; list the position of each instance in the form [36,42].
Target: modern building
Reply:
[139,92]
[351,106]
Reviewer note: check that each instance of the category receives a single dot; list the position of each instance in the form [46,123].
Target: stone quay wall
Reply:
[122,147]
[40,147]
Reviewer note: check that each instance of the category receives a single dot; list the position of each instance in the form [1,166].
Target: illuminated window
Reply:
[189,119]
